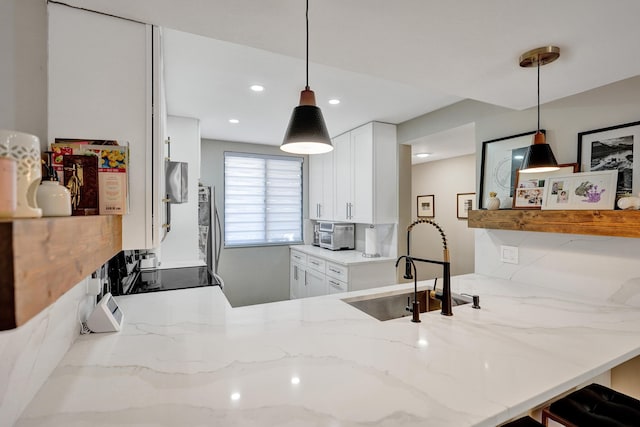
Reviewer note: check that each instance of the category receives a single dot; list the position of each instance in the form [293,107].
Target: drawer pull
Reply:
[334,284]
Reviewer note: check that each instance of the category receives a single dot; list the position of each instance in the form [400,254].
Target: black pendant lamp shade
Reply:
[307,133]
[539,157]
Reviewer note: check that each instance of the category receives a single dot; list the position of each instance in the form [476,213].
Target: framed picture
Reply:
[585,190]
[501,158]
[530,186]
[609,148]
[426,208]
[465,203]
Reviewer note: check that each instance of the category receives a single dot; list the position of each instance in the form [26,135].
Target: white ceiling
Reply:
[386,60]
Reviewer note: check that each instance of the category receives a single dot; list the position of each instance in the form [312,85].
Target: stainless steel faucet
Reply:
[445,297]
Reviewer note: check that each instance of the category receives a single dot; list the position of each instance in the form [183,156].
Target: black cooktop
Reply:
[155,280]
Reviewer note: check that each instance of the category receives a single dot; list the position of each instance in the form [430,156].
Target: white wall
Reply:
[444,179]
[180,247]
[598,266]
[31,352]
[603,267]
[251,275]
[23,68]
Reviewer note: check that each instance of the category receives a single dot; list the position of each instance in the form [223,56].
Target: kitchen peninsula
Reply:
[186,358]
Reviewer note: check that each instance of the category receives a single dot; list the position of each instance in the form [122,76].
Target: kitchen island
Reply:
[187,358]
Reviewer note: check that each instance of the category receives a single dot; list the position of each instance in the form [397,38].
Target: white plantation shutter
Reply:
[262,199]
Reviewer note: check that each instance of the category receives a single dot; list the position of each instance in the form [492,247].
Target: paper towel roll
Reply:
[371,242]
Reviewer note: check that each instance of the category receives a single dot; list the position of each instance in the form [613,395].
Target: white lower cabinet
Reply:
[316,284]
[297,275]
[311,275]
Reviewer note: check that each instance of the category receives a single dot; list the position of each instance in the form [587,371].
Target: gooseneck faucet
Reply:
[445,298]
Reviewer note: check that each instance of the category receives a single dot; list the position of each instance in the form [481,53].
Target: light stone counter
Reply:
[345,257]
[186,358]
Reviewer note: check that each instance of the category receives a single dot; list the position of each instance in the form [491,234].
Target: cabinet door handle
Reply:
[334,284]
[295,272]
[347,210]
[319,210]
[305,278]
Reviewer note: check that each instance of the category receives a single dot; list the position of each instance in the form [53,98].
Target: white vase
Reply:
[493,203]
[25,150]
[54,199]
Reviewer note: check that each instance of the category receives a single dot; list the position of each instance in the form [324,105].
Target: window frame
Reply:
[265,157]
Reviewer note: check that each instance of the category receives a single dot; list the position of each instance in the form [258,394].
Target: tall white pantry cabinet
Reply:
[105,83]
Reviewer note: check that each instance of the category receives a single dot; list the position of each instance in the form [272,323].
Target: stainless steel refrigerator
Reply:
[210,238]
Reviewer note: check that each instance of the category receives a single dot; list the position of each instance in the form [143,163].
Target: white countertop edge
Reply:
[344,257]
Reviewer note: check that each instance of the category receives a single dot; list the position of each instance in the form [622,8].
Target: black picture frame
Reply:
[499,163]
[613,147]
[464,203]
[426,206]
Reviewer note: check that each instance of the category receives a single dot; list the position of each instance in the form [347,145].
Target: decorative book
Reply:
[81,178]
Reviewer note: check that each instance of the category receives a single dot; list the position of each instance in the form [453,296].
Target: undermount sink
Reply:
[389,306]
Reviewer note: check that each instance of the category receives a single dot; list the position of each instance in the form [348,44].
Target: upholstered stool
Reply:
[523,422]
[594,405]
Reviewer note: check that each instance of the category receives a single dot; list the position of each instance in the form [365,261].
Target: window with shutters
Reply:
[262,200]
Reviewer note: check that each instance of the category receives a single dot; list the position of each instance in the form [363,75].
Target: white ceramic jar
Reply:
[25,150]
[54,199]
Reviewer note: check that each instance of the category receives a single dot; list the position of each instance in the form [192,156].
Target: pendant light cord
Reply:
[307,19]
[538,92]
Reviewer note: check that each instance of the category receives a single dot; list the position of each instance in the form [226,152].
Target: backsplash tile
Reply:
[596,267]
[31,352]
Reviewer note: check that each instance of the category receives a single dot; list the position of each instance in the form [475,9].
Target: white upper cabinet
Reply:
[366,175]
[101,86]
[342,173]
[321,186]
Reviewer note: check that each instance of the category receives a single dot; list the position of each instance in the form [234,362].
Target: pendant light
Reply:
[307,133]
[539,157]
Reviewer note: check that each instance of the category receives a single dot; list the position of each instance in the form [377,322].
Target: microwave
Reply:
[336,235]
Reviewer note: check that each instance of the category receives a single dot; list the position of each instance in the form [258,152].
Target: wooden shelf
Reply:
[42,258]
[622,223]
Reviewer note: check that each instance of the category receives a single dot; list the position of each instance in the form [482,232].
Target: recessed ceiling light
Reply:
[234,121]
[257,88]
[334,101]
[423,155]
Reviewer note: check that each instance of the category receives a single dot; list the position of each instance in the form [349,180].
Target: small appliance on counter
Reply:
[336,236]
[106,316]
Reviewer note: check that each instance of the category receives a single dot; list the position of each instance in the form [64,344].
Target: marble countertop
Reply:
[345,257]
[186,358]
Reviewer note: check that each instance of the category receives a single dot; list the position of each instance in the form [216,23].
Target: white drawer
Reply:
[298,257]
[337,271]
[336,286]
[316,263]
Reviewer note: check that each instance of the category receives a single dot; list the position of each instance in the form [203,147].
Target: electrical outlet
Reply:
[509,254]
